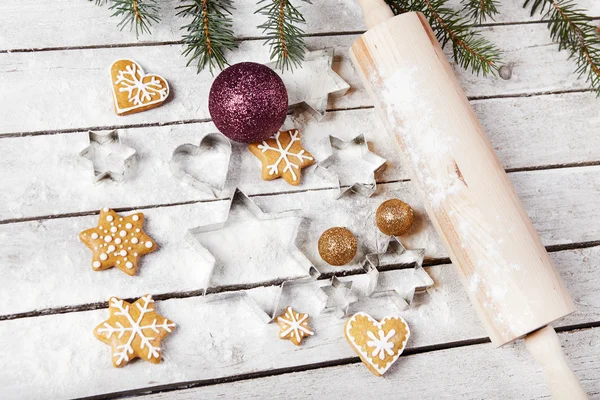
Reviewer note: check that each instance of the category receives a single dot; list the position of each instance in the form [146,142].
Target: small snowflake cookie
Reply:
[293,326]
[379,344]
[135,91]
[117,241]
[282,155]
[134,330]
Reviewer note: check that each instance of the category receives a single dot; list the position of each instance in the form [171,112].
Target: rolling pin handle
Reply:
[375,12]
[545,348]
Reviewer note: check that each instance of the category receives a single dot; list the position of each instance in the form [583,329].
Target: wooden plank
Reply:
[67,22]
[224,338]
[70,90]
[467,373]
[525,131]
[562,205]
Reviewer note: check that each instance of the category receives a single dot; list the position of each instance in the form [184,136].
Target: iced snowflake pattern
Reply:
[294,326]
[381,344]
[139,92]
[124,326]
[285,154]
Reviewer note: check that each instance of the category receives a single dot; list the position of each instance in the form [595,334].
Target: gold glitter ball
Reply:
[394,217]
[337,246]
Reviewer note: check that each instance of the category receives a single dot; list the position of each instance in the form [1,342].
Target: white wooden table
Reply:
[54,60]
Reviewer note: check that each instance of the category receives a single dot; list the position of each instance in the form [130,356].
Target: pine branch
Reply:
[571,28]
[480,10]
[209,35]
[140,14]
[470,50]
[283,34]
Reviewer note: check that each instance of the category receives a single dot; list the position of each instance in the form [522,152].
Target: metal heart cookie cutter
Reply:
[107,157]
[204,166]
[359,154]
[240,201]
[401,284]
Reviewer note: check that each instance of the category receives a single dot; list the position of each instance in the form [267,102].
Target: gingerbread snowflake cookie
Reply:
[134,90]
[282,155]
[117,241]
[378,343]
[134,330]
[293,326]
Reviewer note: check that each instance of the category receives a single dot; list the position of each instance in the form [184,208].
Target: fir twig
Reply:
[283,34]
[140,14]
[571,28]
[480,10]
[470,50]
[209,35]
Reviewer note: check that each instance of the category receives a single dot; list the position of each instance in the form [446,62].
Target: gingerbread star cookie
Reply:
[293,326]
[379,344]
[117,241]
[134,330]
[134,90]
[282,155]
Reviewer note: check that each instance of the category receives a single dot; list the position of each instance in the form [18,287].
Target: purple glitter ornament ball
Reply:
[248,102]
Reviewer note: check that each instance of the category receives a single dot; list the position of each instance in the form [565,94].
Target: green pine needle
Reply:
[138,14]
[210,33]
[470,50]
[571,28]
[283,34]
[480,10]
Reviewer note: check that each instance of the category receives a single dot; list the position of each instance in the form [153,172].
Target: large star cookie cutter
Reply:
[204,166]
[240,200]
[401,283]
[358,148]
[336,297]
[107,157]
[311,84]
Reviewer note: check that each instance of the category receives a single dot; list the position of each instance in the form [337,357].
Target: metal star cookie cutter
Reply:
[311,84]
[214,143]
[337,297]
[365,189]
[107,157]
[239,199]
[401,284]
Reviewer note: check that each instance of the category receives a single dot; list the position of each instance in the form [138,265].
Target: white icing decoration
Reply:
[129,248]
[285,154]
[118,240]
[131,327]
[128,226]
[107,238]
[123,233]
[123,253]
[109,218]
[95,247]
[94,235]
[139,93]
[105,209]
[148,244]
[135,254]
[134,240]
[103,256]
[118,262]
[295,327]
[96,264]
[137,230]
[113,229]
[105,231]
[111,248]
[135,217]
[381,344]
[129,265]
[115,254]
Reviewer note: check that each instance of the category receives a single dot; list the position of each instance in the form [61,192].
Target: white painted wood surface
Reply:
[541,121]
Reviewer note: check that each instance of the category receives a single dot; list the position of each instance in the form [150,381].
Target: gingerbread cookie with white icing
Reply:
[293,326]
[134,90]
[117,241]
[378,343]
[282,155]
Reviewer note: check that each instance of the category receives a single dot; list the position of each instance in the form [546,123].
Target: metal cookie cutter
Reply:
[311,84]
[214,143]
[239,199]
[401,284]
[326,167]
[107,157]
[337,297]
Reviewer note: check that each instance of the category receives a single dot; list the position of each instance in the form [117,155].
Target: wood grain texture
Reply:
[469,375]
[219,339]
[51,245]
[47,94]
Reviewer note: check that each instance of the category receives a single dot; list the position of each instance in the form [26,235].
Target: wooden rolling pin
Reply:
[506,270]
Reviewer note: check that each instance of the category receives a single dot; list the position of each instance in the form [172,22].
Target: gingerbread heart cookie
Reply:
[134,90]
[379,344]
